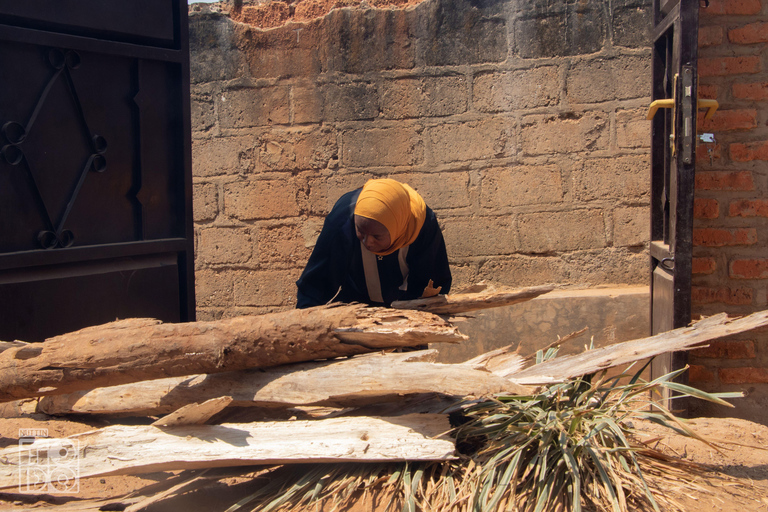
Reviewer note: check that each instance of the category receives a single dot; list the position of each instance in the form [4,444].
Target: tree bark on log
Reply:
[361,380]
[122,450]
[143,349]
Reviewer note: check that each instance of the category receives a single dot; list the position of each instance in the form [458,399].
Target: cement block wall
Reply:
[521,122]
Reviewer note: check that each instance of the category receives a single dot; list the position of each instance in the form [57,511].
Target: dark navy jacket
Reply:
[336,261]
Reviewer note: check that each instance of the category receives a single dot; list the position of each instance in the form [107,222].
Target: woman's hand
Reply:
[430,290]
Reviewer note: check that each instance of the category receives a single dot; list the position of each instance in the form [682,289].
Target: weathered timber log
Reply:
[684,338]
[120,450]
[361,380]
[143,349]
[473,301]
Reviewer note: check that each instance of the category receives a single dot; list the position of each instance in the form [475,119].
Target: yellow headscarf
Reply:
[396,205]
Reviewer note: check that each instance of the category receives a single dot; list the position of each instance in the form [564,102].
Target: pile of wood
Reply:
[343,377]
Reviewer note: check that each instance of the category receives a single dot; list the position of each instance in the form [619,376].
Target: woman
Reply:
[378,244]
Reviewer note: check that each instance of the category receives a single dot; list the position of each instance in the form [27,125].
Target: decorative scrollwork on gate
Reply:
[15,133]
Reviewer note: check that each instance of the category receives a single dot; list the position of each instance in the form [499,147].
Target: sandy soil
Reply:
[738,478]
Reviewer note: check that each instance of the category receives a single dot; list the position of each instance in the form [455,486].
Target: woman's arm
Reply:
[428,260]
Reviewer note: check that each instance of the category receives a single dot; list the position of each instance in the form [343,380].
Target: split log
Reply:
[142,349]
[361,380]
[121,450]
[684,338]
[477,299]
[194,414]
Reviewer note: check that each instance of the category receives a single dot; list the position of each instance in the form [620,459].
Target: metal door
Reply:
[673,112]
[95,172]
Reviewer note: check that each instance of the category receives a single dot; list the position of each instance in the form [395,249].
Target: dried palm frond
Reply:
[567,447]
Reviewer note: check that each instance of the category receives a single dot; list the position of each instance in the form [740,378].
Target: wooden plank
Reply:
[143,349]
[121,450]
[684,338]
[194,414]
[361,380]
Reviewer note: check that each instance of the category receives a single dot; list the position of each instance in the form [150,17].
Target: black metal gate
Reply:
[95,171]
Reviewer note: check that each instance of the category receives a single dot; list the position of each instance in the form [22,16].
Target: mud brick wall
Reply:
[521,122]
[730,235]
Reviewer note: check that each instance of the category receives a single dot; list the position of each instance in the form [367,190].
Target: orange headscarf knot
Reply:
[396,205]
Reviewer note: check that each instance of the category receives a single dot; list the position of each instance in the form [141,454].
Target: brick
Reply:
[748,268]
[213,54]
[562,231]
[601,79]
[249,107]
[715,237]
[521,270]
[526,88]
[570,32]
[756,91]
[710,36]
[603,178]
[706,208]
[203,117]
[307,104]
[736,349]
[749,34]
[456,34]
[749,151]
[266,288]
[219,245]
[475,140]
[566,133]
[724,66]
[703,266]
[424,97]
[708,154]
[261,199]
[631,226]
[350,102]
[505,187]
[631,27]
[480,236]
[282,246]
[205,202]
[214,288]
[324,191]
[708,91]
[609,266]
[732,7]
[737,296]
[748,208]
[440,190]
[297,149]
[743,375]
[717,180]
[633,130]
[282,52]
[359,41]
[222,156]
[699,373]
[375,147]
[725,120]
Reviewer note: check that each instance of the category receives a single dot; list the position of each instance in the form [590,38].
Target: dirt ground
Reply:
[740,466]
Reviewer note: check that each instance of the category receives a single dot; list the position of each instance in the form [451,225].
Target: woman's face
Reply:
[372,233]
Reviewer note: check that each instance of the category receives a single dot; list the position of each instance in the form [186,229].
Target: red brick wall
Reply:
[730,266]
